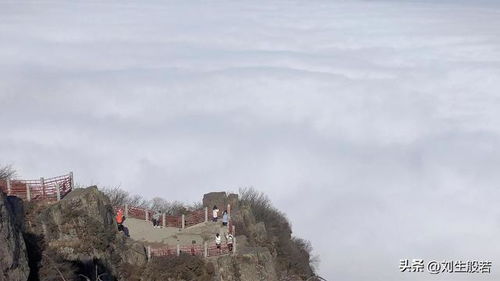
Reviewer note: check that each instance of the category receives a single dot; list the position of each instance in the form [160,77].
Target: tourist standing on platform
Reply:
[156,220]
[215,213]
[218,241]
[229,239]
[225,218]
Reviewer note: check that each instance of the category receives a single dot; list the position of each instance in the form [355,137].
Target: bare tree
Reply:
[7,172]
[117,196]
[167,207]
[120,197]
[138,201]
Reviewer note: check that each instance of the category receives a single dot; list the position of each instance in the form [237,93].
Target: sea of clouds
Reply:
[374,125]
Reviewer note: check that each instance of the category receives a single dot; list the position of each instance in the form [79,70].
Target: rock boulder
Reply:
[13,255]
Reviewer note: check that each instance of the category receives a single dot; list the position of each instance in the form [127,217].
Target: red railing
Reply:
[193,249]
[50,189]
[136,212]
[173,221]
[164,251]
[213,251]
[194,217]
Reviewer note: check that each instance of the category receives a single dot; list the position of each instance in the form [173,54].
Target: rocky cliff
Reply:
[13,254]
[77,239]
[266,249]
[79,234]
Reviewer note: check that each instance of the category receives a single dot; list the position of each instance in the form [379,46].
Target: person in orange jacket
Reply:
[120,218]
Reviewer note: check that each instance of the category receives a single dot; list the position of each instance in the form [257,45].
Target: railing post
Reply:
[28,192]
[126,210]
[149,252]
[147,215]
[183,221]
[9,188]
[206,214]
[71,180]
[178,250]
[205,249]
[234,245]
[42,181]
[164,220]
[58,191]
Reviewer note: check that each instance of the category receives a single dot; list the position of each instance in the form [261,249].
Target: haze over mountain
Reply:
[373,125]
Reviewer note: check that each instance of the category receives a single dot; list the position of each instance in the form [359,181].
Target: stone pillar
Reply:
[206,214]
[42,182]
[149,252]
[178,250]
[9,188]
[147,215]
[229,209]
[233,231]
[164,220]
[234,244]
[58,191]
[71,182]
[126,210]
[28,192]
[183,221]
[205,248]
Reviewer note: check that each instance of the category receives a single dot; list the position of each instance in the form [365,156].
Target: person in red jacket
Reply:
[120,218]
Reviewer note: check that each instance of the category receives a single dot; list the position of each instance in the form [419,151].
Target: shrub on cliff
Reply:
[183,267]
[120,197]
[293,254]
[7,172]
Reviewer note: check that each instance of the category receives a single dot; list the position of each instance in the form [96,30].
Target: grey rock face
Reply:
[13,256]
[81,227]
[221,200]
[252,264]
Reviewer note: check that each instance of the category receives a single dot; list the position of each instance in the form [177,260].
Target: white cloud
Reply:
[372,124]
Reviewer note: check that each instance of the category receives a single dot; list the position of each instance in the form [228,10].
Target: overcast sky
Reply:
[374,125]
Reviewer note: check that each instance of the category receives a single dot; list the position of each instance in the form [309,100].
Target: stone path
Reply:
[142,230]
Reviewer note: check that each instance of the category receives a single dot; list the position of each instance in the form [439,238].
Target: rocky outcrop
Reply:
[81,230]
[221,200]
[264,237]
[250,264]
[13,255]
[78,236]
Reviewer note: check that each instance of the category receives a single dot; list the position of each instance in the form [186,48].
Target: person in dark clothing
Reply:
[156,220]
[225,218]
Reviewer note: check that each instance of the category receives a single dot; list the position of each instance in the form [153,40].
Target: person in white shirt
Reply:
[215,214]
[218,241]
[229,239]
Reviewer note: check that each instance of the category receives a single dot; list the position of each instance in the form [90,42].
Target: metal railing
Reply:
[43,189]
[206,250]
